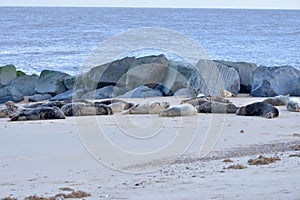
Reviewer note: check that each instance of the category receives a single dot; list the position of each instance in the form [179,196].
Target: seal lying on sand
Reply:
[180,110]
[12,108]
[4,113]
[58,104]
[293,105]
[116,105]
[277,101]
[40,113]
[148,108]
[216,107]
[200,100]
[83,109]
[259,109]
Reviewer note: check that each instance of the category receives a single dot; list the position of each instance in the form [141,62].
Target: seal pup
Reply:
[217,107]
[280,100]
[40,113]
[259,109]
[83,109]
[185,109]
[147,108]
[293,105]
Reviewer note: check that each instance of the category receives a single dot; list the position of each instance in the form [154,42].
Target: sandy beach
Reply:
[152,157]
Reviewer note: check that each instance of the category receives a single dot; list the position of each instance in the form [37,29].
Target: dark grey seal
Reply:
[216,107]
[259,109]
[40,113]
[83,109]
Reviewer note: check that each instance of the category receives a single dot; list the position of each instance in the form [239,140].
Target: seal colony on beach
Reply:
[187,107]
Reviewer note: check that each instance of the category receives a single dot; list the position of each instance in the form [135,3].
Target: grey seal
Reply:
[40,113]
[216,107]
[200,100]
[259,109]
[277,101]
[84,109]
[148,108]
[293,105]
[179,110]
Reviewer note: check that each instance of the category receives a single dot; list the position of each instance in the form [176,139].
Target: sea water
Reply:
[38,38]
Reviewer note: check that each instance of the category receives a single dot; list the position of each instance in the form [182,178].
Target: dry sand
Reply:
[169,162]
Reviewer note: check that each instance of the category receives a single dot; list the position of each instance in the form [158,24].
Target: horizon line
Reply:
[150,7]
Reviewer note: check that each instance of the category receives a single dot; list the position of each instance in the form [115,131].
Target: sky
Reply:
[262,4]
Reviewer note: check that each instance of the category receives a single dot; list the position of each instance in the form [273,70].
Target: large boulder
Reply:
[68,95]
[177,75]
[7,74]
[105,92]
[51,82]
[245,71]
[9,93]
[107,74]
[211,78]
[149,74]
[115,73]
[142,92]
[39,97]
[69,82]
[273,81]
[25,84]
[185,92]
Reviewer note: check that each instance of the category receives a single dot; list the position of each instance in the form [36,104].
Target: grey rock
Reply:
[149,74]
[25,84]
[160,59]
[245,71]
[113,73]
[185,92]
[69,82]
[274,81]
[141,92]
[69,95]
[7,74]
[51,82]
[177,75]
[105,92]
[9,93]
[39,97]
[212,77]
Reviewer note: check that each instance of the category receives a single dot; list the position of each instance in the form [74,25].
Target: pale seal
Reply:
[293,105]
[83,109]
[259,109]
[227,94]
[147,108]
[216,107]
[40,113]
[179,110]
[277,101]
